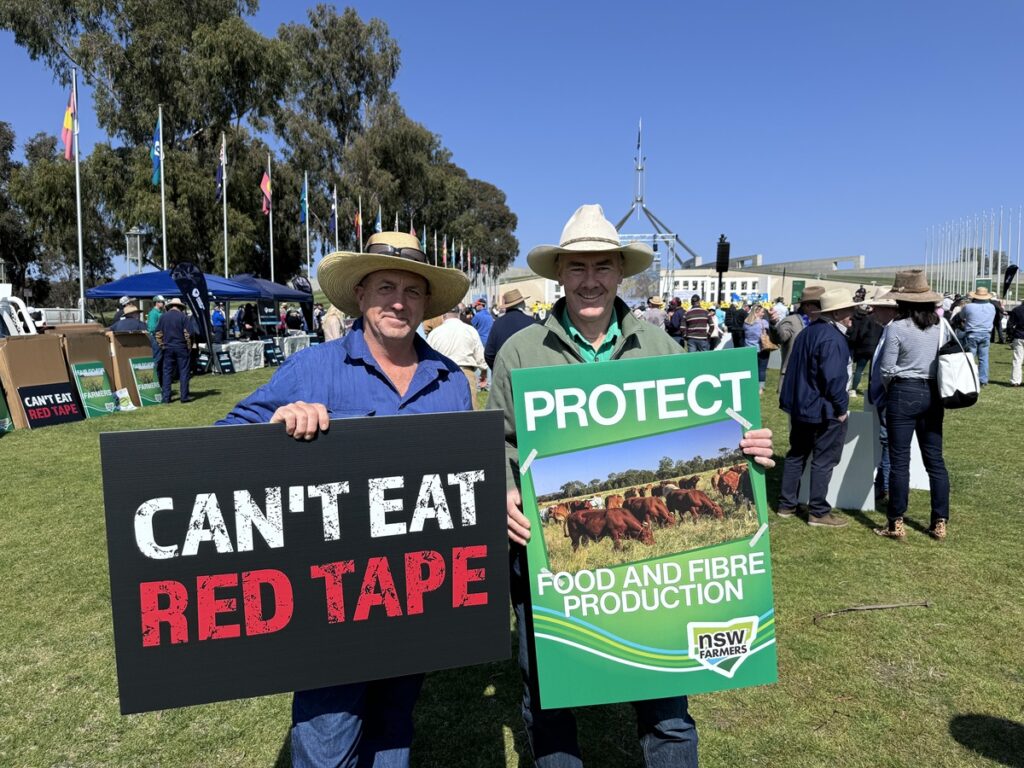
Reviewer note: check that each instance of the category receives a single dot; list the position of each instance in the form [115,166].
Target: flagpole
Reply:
[270,212]
[78,196]
[224,193]
[305,192]
[336,218]
[163,203]
[360,233]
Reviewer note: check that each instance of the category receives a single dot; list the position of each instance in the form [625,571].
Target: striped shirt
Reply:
[697,323]
[908,352]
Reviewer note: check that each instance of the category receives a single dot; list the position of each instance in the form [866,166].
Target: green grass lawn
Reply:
[938,686]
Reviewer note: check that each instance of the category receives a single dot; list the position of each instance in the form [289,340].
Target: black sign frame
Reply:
[460,622]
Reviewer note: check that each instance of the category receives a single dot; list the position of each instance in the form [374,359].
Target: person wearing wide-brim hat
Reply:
[129,320]
[380,367]
[590,323]
[908,362]
[978,317]
[655,312]
[814,393]
[883,312]
[515,318]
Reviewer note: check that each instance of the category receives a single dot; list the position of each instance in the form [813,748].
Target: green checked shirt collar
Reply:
[590,355]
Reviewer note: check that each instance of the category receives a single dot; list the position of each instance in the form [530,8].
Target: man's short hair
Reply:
[695,299]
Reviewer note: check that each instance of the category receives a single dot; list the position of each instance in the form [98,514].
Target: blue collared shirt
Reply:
[344,377]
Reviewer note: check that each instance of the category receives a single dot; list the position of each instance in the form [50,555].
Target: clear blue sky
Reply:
[552,473]
[799,129]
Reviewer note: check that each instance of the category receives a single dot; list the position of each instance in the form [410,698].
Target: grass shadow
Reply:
[284,756]
[994,738]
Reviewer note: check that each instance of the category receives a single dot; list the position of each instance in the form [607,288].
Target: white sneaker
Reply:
[853,393]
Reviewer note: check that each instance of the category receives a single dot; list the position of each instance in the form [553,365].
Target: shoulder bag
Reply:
[956,371]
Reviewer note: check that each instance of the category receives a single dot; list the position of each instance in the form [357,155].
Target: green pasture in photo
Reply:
[934,686]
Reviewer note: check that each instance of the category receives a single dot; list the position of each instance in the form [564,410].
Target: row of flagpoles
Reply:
[460,258]
[959,253]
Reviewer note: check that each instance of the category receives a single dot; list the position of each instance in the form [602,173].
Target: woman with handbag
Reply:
[909,366]
[755,334]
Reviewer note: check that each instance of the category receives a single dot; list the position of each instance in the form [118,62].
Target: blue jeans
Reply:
[822,443]
[858,370]
[355,726]
[180,358]
[158,360]
[977,343]
[883,469]
[914,406]
[698,345]
[668,735]
[762,365]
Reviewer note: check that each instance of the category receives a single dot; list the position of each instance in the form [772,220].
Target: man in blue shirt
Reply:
[381,367]
[219,323]
[978,317]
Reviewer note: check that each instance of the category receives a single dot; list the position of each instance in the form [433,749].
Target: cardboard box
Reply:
[124,346]
[30,361]
[88,347]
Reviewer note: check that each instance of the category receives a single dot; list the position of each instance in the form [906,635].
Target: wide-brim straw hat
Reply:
[588,231]
[812,293]
[981,293]
[340,272]
[511,298]
[835,299]
[911,285]
[175,302]
[880,300]
[656,301]
[129,309]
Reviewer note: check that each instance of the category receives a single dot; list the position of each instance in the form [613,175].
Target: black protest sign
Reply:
[47,404]
[378,549]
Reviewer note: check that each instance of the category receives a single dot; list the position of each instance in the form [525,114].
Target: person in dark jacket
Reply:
[175,340]
[814,395]
[513,304]
[1015,333]
[129,320]
[863,337]
[734,320]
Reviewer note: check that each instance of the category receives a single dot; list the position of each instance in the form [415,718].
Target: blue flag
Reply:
[155,153]
[302,207]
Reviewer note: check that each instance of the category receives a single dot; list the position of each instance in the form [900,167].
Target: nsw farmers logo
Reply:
[722,646]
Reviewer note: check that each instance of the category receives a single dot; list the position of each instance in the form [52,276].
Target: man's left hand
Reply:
[758,444]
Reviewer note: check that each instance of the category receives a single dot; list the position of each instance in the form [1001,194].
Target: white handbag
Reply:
[956,371]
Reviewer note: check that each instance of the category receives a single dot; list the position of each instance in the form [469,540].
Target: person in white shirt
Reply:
[460,343]
[780,309]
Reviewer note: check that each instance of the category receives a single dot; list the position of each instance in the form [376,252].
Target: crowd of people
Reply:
[405,343]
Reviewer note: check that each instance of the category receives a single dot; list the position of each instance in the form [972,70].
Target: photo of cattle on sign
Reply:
[678,499]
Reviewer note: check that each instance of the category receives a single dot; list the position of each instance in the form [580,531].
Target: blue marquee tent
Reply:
[149,284]
[272,291]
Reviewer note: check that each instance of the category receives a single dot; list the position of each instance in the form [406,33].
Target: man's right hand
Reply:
[518,525]
[302,420]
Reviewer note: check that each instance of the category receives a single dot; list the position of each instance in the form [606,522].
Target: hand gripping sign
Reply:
[243,562]
[651,573]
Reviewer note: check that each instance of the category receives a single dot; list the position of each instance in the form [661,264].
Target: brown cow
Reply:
[614,501]
[735,485]
[631,493]
[665,487]
[556,513]
[694,502]
[594,524]
[689,483]
[650,510]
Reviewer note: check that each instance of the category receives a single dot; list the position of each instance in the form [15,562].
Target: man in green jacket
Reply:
[590,324]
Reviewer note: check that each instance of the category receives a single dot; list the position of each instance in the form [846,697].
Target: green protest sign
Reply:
[651,573]
[94,388]
[6,422]
[145,380]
